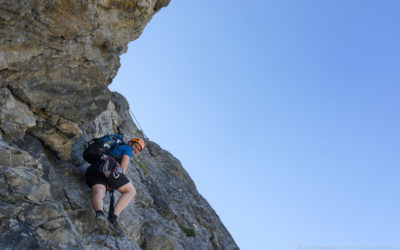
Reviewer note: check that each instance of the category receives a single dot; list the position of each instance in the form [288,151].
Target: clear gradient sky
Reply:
[285,113]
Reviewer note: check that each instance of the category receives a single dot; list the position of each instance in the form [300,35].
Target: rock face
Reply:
[57,58]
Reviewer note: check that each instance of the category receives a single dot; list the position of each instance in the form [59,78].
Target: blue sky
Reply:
[284,113]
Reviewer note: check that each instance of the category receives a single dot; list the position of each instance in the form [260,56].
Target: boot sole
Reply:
[102,222]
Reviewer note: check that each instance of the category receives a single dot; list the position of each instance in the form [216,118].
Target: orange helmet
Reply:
[138,141]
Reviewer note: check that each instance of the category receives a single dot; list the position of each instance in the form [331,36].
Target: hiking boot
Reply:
[116,230]
[101,219]
[114,226]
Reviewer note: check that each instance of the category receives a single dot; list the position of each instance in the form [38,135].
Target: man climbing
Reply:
[98,182]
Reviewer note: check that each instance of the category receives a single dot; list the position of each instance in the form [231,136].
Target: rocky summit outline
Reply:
[57,58]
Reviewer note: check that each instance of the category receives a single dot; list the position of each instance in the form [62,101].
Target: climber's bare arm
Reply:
[124,163]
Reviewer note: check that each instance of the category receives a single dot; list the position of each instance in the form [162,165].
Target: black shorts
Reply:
[94,176]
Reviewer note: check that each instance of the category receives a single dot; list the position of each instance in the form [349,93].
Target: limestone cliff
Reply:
[57,58]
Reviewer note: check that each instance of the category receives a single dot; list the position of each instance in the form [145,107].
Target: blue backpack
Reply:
[96,148]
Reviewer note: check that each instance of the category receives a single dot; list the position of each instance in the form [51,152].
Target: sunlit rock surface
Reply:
[56,61]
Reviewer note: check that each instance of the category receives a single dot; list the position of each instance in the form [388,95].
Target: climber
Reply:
[98,182]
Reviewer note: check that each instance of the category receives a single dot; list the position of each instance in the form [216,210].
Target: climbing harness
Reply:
[110,165]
